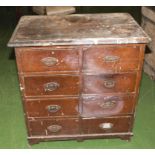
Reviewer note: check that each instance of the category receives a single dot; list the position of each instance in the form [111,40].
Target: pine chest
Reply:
[79,75]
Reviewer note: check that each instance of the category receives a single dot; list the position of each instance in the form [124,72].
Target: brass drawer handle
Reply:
[54,128]
[106,126]
[53,108]
[107,104]
[51,86]
[111,58]
[49,61]
[109,83]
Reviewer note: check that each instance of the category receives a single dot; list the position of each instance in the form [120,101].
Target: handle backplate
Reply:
[53,108]
[111,58]
[106,126]
[107,104]
[109,83]
[54,128]
[51,86]
[49,61]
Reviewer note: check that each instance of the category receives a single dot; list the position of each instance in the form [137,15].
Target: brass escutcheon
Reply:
[106,126]
[111,58]
[109,83]
[51,86]
[107,104]
[54,128]
[53,108]
[49,61]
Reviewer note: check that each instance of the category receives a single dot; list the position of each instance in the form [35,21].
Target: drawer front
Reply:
[106,125]
[51,85]
[96,106]
[52,107]
[54,127]
[108,59]
[48,59]
[114,83]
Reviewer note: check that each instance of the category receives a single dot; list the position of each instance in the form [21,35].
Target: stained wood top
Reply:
[76,29]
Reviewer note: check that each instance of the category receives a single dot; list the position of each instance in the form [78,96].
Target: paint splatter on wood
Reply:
[76,29]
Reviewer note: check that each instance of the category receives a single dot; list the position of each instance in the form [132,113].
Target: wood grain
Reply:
[39,107]
[79,75]
[77,29]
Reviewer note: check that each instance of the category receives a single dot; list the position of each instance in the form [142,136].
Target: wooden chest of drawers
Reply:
[79,75]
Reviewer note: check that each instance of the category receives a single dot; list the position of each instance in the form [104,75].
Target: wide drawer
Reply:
[46,127]
[107,125]
[109,83]
[51,85]
[101,106]
[51,107]
[48,59]
[111,58]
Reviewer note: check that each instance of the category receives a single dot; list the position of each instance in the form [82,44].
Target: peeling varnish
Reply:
[21,87]
[112,28]
[46,132]
[41,123]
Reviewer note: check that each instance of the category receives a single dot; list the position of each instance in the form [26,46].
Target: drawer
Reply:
[111,58]
[52,107]
[51,85]
[48,127]
[101,106]
[109,83]
[107,125]
[48,59]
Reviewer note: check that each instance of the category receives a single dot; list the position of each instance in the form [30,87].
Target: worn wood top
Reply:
[76,29]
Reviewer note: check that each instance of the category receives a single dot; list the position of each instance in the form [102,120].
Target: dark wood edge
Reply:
[82,118]
[80,137]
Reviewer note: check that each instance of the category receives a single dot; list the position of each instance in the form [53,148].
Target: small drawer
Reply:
[107,125]
[111,58]
[52,107]
[101,106]
[48,59]
[51,85]
[109,83]
[48,127]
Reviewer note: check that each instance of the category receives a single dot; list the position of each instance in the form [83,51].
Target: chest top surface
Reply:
[77,29]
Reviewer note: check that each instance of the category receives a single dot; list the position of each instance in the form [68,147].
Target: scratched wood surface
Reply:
[76,29]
